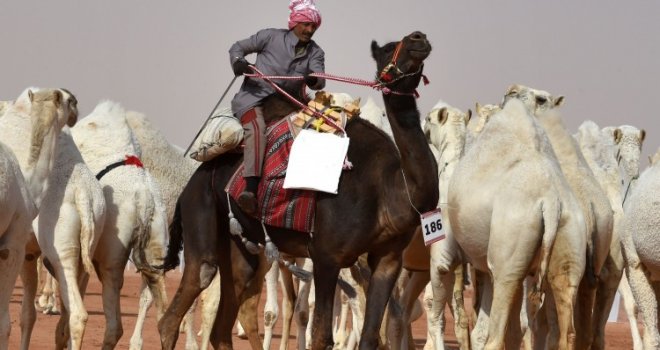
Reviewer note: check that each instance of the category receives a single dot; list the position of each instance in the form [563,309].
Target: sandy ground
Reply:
[43,337]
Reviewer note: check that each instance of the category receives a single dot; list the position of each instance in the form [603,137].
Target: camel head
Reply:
[445,128]
[535,100]
[629,142]
[400,63]
[69,112]
[484,112]
[48,106]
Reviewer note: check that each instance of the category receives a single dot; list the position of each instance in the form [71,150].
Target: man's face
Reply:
[304,31]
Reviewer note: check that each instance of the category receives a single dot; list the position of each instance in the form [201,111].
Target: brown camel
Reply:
[376,212]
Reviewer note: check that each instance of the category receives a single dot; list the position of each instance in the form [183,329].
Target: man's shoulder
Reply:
[274,31]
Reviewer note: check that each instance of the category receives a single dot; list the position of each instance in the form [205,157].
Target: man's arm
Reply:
[317,65]
[253,44]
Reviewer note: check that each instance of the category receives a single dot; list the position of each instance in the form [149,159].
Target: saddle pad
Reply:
[287,208]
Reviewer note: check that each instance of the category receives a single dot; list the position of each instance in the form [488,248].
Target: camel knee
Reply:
[270,318]
[206,273]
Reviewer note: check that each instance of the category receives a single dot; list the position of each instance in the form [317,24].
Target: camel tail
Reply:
[176,241]
[551,211]
[87,229]
[145,214]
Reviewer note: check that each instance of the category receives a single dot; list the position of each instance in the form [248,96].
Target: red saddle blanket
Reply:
[288,208]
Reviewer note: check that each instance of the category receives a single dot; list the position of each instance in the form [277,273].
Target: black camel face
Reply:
[414,49]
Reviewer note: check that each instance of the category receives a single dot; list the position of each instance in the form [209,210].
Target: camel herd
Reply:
[545,225]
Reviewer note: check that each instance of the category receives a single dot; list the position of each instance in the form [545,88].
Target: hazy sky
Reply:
[169,60]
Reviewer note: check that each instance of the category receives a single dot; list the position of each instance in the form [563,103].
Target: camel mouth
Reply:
[419,54]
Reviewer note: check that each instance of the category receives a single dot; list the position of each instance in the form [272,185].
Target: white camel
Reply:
[640,248]
[590,317]
[31,127]
[70,222]
[599,150]
[18,211]
[522,216]
[445,128]
[171,170]
[136,217]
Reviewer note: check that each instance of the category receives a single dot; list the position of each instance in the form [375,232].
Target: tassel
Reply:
[297,271]
[251,247]
[234,226]
[270,250]
[425,79]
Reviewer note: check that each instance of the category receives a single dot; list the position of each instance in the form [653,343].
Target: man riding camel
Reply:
[280,52]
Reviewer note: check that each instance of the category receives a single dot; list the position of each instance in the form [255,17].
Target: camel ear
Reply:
[617,136]
[650,160]
[513,90]
[374,48]
[443,114]
[357,101]
[558,101]
[478,108]
[31,95]
[57,98]
[642,135]
[469,116]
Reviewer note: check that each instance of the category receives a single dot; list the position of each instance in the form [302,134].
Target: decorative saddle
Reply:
[290,208]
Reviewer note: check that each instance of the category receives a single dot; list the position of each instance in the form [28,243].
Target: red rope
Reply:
[298,103]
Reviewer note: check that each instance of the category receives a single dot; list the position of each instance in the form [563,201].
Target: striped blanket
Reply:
[288,208]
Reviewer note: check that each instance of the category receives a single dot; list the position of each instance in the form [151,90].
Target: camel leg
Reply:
[12,255]
[441,280]
[197,275]
[210,302]
[30,277]
[410,296]
[112,279]
[311,308]
[74,315]
[605,293]
[631,309]
[48,299]
[479,334]
[341,331]
[565,286]
[514,334]
[385,270]
[187,326]
[461,321]
[288,301]
[241,279]
[144,303]
[647,302]
[301,309]
[152,290]
[584,313]
[271,309]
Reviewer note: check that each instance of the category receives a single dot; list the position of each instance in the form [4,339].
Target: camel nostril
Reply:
[417,36]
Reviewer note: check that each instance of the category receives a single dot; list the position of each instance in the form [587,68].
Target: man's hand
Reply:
[241,66]
[310,80]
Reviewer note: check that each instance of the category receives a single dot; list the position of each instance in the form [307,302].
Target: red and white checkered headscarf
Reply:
[301,11]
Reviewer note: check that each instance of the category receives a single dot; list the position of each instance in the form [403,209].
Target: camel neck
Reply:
[417,161]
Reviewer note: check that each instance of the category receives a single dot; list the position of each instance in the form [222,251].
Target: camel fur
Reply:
[136,218]
[523,216]
[640,249]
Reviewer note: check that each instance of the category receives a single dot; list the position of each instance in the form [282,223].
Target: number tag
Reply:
[432,229]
